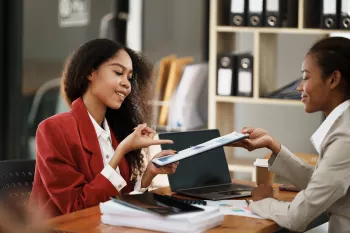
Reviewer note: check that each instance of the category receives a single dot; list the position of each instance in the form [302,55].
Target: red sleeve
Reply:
[61,178]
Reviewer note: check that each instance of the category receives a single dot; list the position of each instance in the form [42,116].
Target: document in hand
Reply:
[209,145]
[116,214]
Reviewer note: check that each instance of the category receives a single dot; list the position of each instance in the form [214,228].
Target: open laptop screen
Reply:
[208,168]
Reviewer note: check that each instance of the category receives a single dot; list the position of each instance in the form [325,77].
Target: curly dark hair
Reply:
[134,110]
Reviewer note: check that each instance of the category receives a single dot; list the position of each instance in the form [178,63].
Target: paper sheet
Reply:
[233,207]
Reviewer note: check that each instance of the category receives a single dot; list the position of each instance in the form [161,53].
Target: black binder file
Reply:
[238,15]
[281,13]
[273,13]
[225,74]
[256,13]
[290,13]
[244,75]
[329,19]
[345,14]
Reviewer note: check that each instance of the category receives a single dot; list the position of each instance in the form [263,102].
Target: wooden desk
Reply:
[89,220]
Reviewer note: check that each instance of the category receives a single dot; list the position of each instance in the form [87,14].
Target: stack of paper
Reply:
[119,215]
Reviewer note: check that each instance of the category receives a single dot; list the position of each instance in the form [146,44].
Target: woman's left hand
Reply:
[262,192]
[152,170]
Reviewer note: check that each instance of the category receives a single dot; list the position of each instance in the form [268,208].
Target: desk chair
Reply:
[16,181]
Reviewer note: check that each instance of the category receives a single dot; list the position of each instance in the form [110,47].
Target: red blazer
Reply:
[69,164]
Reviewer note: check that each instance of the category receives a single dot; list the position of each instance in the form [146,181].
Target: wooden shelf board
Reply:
[306,31]
[235,99]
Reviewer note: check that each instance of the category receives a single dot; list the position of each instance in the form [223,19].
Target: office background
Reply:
[34,53]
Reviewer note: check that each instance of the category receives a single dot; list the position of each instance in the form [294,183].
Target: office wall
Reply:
[289,124]
[174,27]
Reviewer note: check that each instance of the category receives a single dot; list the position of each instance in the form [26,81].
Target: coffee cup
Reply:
[263,175]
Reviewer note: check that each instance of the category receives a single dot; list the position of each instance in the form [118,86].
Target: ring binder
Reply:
[226,74]
[255,13]
[345,14]
[238,12]
[329,14]
[273,13]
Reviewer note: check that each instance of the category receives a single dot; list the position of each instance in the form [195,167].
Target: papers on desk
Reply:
[233,207]
[119,215]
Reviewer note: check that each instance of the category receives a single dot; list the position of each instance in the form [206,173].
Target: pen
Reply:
[248,202]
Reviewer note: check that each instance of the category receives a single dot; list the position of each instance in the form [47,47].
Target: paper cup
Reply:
[263,175]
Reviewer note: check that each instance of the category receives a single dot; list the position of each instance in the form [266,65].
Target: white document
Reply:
[233,207]
[211,144]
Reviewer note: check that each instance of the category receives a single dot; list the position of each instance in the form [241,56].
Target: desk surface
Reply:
[89,220]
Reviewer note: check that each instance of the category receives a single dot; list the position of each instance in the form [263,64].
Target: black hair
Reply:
[134,110]
[333,54]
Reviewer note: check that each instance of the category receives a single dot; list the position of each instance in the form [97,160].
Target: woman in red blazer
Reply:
[92,152]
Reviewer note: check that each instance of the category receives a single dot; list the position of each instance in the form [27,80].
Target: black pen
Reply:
[248,202]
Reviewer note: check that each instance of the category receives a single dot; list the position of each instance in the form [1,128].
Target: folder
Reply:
[244,75]
[290,13]
[273,15]
[255,13]
[345,14]
[163,73]
[281,13]
[175,74]
[238,15]
[329,14]
[225,74]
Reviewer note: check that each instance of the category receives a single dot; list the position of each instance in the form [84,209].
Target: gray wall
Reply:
[173,27]
[289,124]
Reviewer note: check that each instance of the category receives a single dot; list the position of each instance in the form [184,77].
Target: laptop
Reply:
[206,175]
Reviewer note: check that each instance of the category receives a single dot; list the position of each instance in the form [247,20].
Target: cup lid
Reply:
[261,163]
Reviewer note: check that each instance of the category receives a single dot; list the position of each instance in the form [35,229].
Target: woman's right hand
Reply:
[258,138]
[142,137]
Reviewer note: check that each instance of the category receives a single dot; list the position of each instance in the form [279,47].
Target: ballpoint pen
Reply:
[248,202]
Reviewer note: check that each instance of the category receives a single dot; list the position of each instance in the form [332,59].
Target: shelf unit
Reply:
[222,39]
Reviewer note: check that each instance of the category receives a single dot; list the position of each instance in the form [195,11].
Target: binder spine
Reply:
[273,12]
[289,14]
[329,14]
[238,14]
[256,13]
[225,75]
[345,14]
[244,86]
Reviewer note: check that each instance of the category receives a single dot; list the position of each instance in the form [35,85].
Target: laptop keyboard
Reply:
[219,188]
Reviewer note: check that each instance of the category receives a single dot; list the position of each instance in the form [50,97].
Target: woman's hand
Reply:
[262,192]
[142,137]
[152,170]
[258,138]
